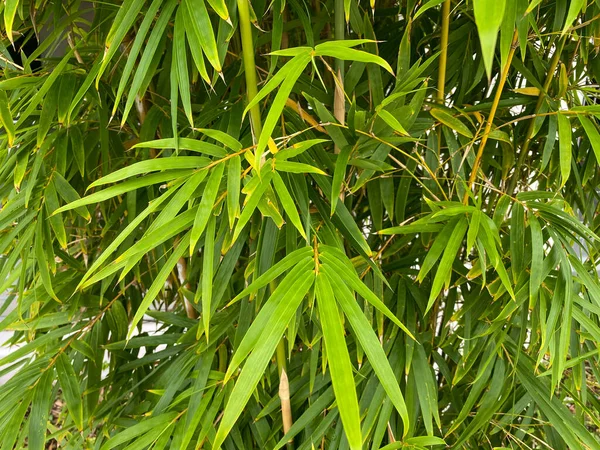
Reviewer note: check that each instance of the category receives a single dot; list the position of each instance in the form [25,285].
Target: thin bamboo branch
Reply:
[530,129]
[490,121]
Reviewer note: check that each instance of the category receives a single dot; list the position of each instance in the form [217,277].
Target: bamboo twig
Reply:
[530,129]
[490,121]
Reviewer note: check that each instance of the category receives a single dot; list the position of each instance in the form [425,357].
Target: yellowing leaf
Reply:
[533,91]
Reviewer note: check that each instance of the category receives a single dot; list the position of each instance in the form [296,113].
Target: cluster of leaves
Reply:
[335,224]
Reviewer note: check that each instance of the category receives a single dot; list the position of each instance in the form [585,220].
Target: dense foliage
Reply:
[335,224]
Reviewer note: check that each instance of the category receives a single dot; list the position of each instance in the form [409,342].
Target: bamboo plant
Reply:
[311,224]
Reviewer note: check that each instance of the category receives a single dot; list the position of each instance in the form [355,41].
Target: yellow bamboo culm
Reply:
[286,406]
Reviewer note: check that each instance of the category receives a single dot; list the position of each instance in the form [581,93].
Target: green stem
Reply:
[249,65]
[280,357]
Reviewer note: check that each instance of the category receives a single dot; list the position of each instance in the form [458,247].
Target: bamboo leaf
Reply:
[206,205]
[261,354]
[564,141]
[451,122]
[70,387]
[339,362]
[202,27]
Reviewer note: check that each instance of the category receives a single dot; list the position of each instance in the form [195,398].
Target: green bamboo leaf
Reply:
[181,66]
[261,355]
[444,272]
[388,118]
[140,39]
[158,284]
[537,256]
[114,244]
[68,194]
[20,168]
[273,272]
[574,8]
[302,264]
[185,144]
[10,9]
[288,203]
[48,114]
[420,441]
[144,426]
[359,287]
[473,229]
[40,408]
[206,205]
[151,165]
[296,167]
[370,344]
[488,403]
[192,33]
[70,386]
[335,50]
[126,16]
[40,256]
[426,388]
[517,239]
[41,93]
[220,8]
[122,188]
[221,137]
[564,141]
[65,96]
[338,175]
[6,117]
[451,122]
[144,65]
[208,257]
[55,219]
[426,6]
[298,148]
[148,242]
[183,196]
[293,70]
[435,251]
[202,27]
[413,229]
[251,202]
[339,362]
[234,170]
[488,17]
[592,133]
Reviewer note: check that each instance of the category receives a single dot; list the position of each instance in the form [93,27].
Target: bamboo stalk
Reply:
[249,65]
[339,102]
[284,391]
[490,121]
[443,51]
